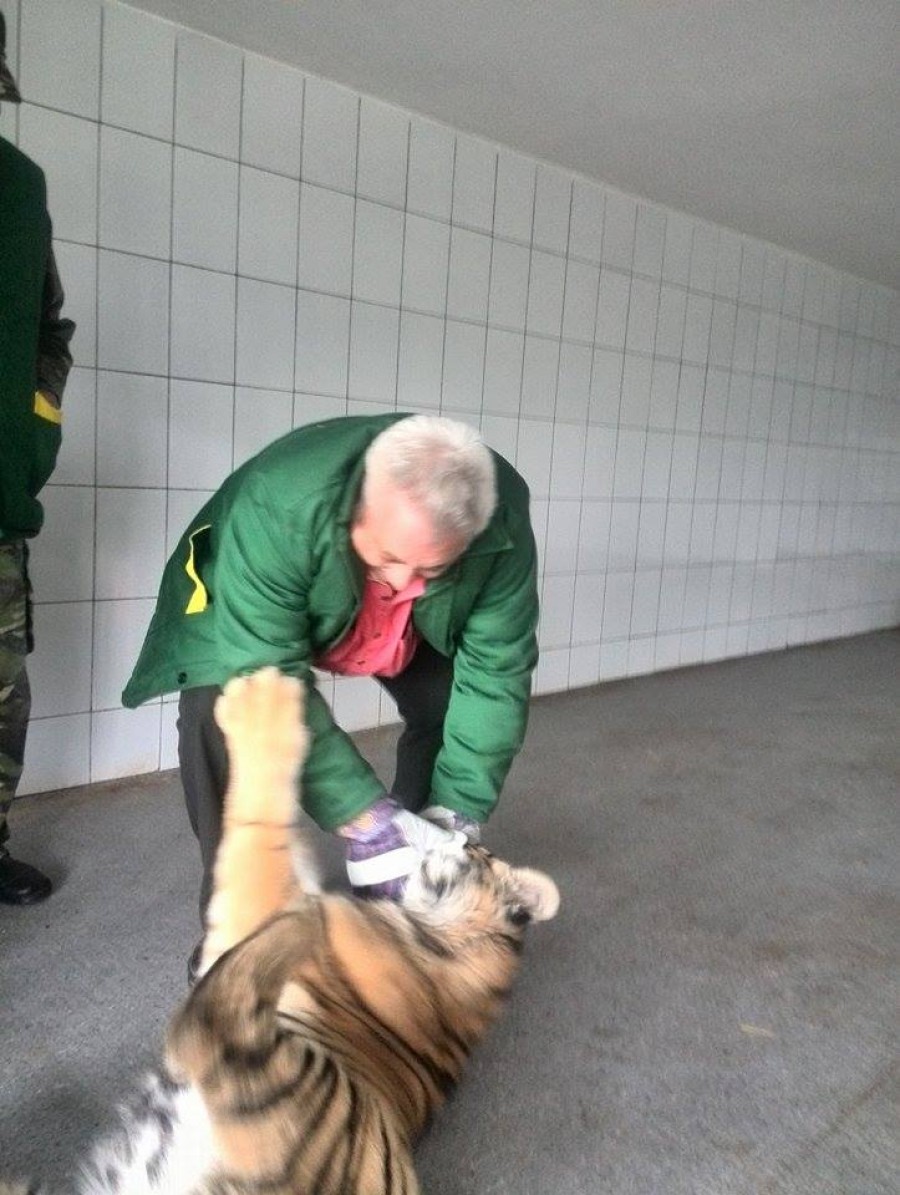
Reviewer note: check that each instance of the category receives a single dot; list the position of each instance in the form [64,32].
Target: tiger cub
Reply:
[325,1030]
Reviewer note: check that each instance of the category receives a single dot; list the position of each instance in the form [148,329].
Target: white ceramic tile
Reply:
[168,735]
[670,321]
[721,333]
[704,254]
[205,211]
[431,154]
[671,599]
[629,463]
[545,293]
[132,410]
[678,246]
[58,754]
[690,398]
[663,393]
[728,265]
[557,598]
[356,702]
[726,532]
[651,535]
[618,230]
[580,301]
[668,652]
[208,94]
[642,312]
[378,253]
[574,384]
[617,605]
[131,526]
[135,193]
[473,183]
[657,461]
[124,743]
[260,417]
[773,279]
[464,348]
[552,672]
[383,143]
[504,357]
[374,334]
[587,614]
[133,334]
[514,212]
[66,149]
[267,226]
[330,123]
[593,537]
[567,461]
[612,308]
[562,536]
[644,614]
[697,323]
[552,204]
[703,532]
[421,361]
[606,386]
[272,116]
[59,670]
[323,343]
[76,462]
[59,62]
[533,455]
[500,432]
[634,408]
[539,376]
[753,267]
[200,422]
[118,635]
[61,564]
[613,661]
[425,264]
[794,281]
[649,241]
[203,325]
[510,265]
[265,335]
[684,466]
[325,255]
[599,462]
[138,90]
[746,332]
[586,231]
[470,270]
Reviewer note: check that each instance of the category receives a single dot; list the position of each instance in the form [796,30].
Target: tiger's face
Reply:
[465,886]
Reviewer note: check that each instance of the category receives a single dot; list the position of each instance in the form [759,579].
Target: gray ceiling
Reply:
[778,118]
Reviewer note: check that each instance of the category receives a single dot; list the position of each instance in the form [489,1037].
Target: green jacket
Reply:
[266,574]
[34,354]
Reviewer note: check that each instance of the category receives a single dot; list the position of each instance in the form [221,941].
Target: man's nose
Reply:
[398,576]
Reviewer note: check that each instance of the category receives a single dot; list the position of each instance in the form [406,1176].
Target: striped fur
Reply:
[325,1031]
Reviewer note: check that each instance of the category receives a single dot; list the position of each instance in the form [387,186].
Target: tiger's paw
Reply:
[262,719]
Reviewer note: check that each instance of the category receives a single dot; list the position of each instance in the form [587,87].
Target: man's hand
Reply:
[386,844]
[449,819]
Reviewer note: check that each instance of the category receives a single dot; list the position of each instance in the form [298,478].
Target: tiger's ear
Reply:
[536,893]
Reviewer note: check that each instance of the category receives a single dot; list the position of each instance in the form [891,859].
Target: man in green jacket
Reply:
[34,364]
[392,545]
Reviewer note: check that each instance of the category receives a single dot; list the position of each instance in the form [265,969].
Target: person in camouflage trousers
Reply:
[34,364]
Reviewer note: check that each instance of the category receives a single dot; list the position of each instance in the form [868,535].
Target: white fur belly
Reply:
[164,1145]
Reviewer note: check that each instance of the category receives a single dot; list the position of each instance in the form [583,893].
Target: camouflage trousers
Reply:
[15,693]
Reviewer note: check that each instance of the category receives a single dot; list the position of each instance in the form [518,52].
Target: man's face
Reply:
[395,539]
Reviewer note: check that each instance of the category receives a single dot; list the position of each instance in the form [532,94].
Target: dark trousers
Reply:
[421,691]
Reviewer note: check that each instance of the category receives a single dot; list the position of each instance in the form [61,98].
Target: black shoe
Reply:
[20,883]
[194,963]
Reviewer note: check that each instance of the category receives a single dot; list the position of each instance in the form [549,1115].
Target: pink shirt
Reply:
[383,639]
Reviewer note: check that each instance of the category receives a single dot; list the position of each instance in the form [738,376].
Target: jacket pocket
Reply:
[47,439]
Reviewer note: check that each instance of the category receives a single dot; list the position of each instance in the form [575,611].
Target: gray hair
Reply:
[443,466]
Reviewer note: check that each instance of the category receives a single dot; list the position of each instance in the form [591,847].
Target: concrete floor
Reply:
[714,1012]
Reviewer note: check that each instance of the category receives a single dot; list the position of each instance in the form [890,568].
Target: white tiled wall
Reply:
[710,426]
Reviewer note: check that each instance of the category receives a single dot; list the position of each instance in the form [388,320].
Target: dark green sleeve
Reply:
[54,359]
[488,712]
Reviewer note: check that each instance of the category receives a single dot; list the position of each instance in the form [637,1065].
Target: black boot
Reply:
[20,883]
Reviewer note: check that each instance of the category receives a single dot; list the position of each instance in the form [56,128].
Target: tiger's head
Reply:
[466,889]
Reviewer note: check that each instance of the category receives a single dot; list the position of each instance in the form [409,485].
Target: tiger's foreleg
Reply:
[262,719]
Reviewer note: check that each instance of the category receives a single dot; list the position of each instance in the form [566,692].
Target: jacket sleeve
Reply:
[488,712]
[54,359]
[268,565]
